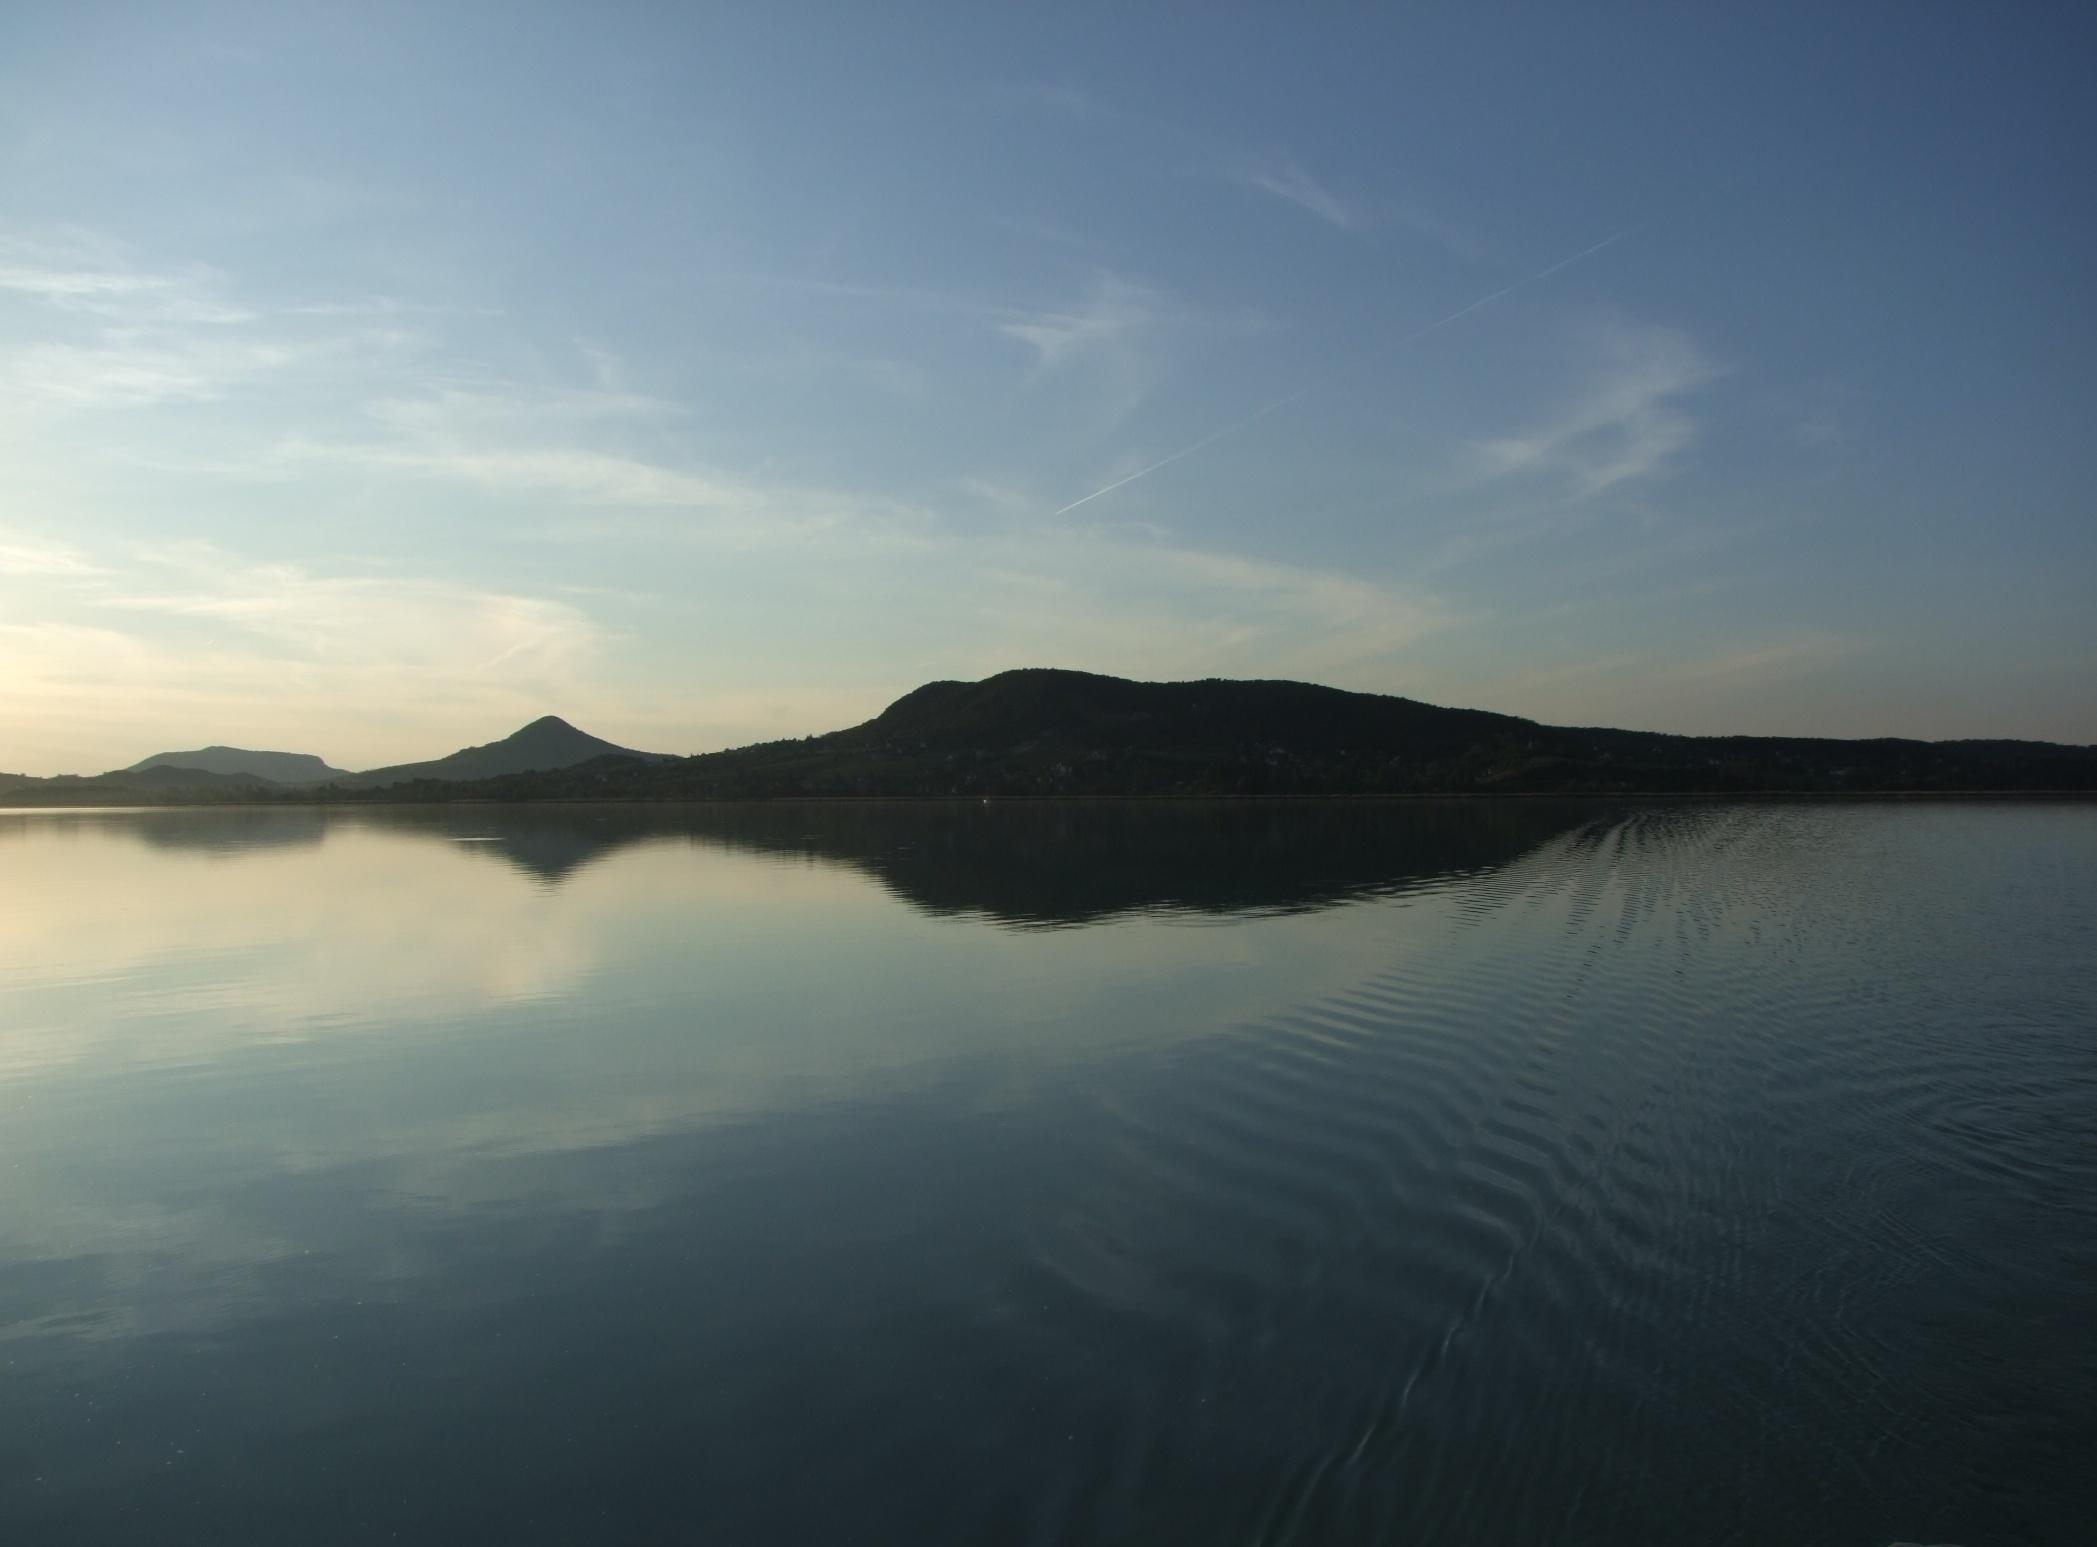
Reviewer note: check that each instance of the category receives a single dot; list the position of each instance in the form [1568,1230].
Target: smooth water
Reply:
[1466,1173]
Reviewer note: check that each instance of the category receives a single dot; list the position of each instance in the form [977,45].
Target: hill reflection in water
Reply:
[1024,864]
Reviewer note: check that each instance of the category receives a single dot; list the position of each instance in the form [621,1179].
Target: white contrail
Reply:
[1187,451]
[1283,402]
[1487,300]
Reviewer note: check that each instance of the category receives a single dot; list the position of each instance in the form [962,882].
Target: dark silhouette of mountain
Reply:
[1045,733]
[545,744]
[127,786]
[548,743]
[278,767]
[1064,733]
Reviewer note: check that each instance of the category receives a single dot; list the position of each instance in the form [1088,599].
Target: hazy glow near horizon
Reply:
[375,381]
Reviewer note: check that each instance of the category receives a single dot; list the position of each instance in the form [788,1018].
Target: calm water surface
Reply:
[1469,1173]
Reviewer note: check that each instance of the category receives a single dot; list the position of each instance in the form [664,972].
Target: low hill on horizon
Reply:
[1047,732]
[1040,732]
[219,774]
[548,743]
[278,767]
[160,783]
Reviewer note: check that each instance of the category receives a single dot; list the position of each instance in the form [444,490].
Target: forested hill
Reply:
[1065,733]
[548,743]
[240,762]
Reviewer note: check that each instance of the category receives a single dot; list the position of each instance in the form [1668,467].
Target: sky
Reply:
[376,379]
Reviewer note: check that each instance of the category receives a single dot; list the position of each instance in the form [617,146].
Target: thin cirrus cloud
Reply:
[25,555]
[76,270]
[1110,343]
[1111,316]
[103,329]
[554,449]
[362,620]
[1110,337]
[1627,420]
[1274,172]
[129,372]
[1117,344]
[1281,176]
[1114,318]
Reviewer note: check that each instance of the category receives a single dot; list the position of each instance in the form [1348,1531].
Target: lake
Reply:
[1423,1172]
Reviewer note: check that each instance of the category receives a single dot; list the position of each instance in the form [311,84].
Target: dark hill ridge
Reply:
[546,743]
[1079,710]
[1051,733]
[228,774]
[1065,733]
[278,767]
[162,783]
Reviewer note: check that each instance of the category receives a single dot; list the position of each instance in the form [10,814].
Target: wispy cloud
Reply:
[1111,310]
[1112,336]
[23,555]
[1283,177]
[127,371]
[1110,331]
[1107,321]
[583,475]
[76,270]
[372,620]
[1280,175]
[1627,422]
[494,406]
[1274,172]
[562,444]
[117,333]
[1245,421]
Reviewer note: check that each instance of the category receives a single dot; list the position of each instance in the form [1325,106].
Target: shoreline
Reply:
[619,803]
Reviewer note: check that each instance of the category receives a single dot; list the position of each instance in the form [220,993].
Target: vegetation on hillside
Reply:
[1040,733]
[1061,733]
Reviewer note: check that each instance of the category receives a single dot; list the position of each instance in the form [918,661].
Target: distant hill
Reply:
[1050,733]
[1066,733]
[278,767]
[548,743]
[161,784]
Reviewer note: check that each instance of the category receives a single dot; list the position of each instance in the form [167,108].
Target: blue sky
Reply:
[375,379]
